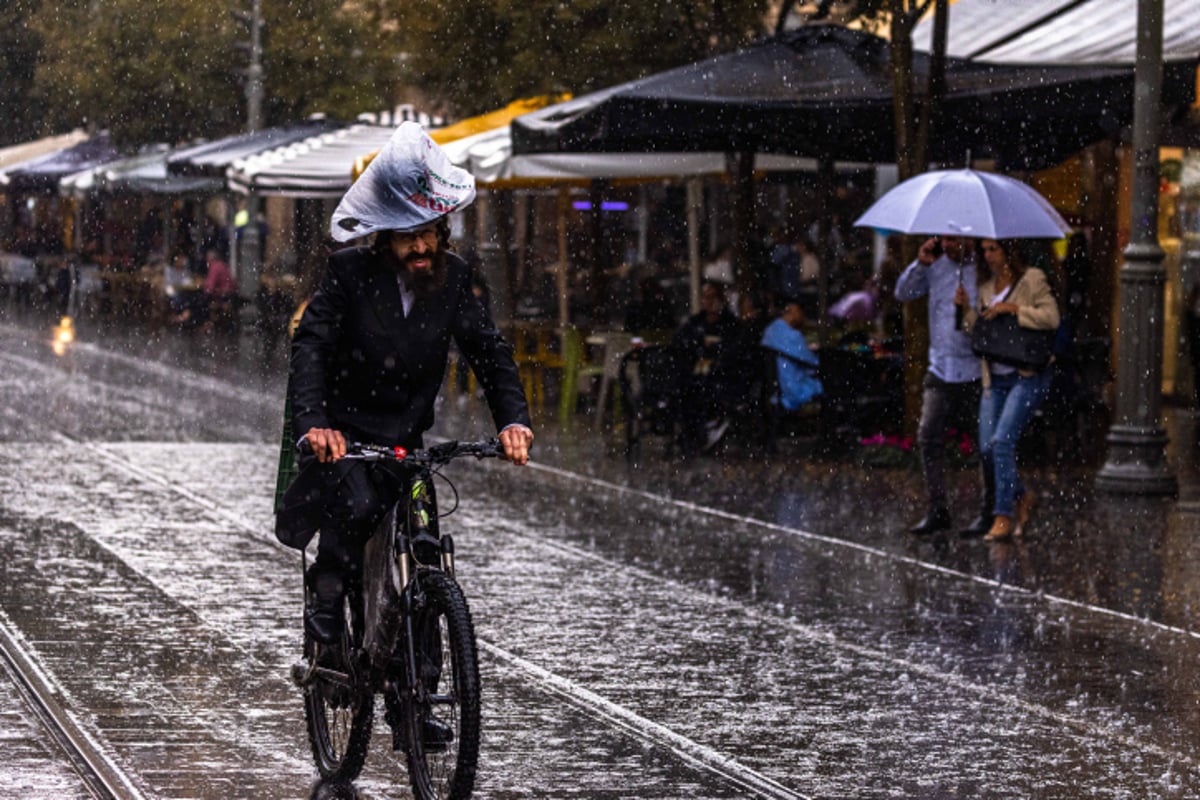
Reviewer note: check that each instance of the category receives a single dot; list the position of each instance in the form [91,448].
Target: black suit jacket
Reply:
[360,366]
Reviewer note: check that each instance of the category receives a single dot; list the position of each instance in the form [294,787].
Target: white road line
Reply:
[862,548]
[983,691]
[213,507]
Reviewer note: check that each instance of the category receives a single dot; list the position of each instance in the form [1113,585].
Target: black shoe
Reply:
[323,625]
[938,520]
[323,619]
[977,527]
[436,735]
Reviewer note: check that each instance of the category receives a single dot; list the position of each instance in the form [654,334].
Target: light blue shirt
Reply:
[950,356]
[797,385]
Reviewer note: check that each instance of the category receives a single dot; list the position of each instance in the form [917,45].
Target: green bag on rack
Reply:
[288,468]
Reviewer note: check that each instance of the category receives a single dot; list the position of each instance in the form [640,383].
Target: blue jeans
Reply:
[1004,411]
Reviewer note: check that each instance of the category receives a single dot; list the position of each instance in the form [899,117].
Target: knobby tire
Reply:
[455,700]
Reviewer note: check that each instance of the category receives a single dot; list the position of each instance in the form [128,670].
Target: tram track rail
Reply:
[99,772]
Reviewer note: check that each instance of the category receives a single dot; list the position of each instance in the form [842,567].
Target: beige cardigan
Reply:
[1036,308]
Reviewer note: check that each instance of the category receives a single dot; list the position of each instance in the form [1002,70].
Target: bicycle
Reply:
[408,636]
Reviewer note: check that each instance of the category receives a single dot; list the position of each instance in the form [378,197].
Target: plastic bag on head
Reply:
[409,184]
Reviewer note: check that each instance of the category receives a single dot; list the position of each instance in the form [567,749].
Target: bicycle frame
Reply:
[410,639]
[386,590]
[389,564]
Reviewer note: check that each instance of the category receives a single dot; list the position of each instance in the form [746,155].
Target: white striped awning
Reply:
[1060,31]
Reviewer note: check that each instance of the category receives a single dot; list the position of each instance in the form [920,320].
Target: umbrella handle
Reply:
[959,311]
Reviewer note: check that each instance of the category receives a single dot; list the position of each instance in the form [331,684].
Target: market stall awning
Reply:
[1060,31]
[825,92]
[43,174]
[318,166]
[20,153]
[213,158]
[494,120]
[488,156]
[145,173]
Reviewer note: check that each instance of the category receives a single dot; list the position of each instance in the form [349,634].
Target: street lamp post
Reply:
[1136,461]
[249,250]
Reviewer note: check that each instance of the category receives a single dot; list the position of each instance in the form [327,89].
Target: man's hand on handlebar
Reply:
[516,440]
[327,444]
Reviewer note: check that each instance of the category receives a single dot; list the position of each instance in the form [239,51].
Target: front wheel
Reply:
[442,767]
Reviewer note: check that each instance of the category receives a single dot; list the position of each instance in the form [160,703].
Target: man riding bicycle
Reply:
[370,352]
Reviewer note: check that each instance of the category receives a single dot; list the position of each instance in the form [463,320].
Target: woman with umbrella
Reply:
[1010,394]
[993,209]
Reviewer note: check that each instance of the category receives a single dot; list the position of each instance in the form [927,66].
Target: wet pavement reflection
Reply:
[718,626]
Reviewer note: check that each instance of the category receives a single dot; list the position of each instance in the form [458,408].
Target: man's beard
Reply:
[422,282]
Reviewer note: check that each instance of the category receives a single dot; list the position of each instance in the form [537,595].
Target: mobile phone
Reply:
[937,247]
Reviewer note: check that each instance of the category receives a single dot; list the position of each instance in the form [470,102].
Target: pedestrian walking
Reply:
[952,382]
[1010,395]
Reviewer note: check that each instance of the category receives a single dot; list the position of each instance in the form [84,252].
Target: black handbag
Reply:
[1002,340]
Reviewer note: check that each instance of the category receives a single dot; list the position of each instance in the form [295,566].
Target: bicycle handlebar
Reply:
[437,455]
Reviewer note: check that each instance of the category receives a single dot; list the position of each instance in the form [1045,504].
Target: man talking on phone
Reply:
[952,383]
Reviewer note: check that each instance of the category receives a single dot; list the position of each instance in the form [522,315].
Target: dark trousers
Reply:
[356,496]
[944,404]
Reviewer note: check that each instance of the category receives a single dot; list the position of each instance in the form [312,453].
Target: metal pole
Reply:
[1136,460]
[254,73]
[245,252]
[695,202]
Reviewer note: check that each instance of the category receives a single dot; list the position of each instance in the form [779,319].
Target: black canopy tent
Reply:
[824,91]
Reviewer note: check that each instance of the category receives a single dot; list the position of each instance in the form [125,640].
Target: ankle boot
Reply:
[1002,529]
[323,617]
[937,519]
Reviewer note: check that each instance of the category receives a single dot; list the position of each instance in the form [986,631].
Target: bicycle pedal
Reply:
[302,673]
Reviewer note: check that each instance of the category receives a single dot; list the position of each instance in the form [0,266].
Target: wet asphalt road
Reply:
[716,627]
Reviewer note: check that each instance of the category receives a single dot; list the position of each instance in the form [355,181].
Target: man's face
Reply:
[415,250]
[417,256]
[953,247]
[793,315]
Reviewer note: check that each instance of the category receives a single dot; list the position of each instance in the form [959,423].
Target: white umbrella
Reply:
[963,202]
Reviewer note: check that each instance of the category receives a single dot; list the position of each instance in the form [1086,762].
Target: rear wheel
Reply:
[448,667]
[338,709]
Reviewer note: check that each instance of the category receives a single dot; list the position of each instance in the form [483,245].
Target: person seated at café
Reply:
[795,361]
[218,279]
[752,311]
[178,284]
[859,306]
[651,311]
[806,289]
[715,344]
[219,286]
